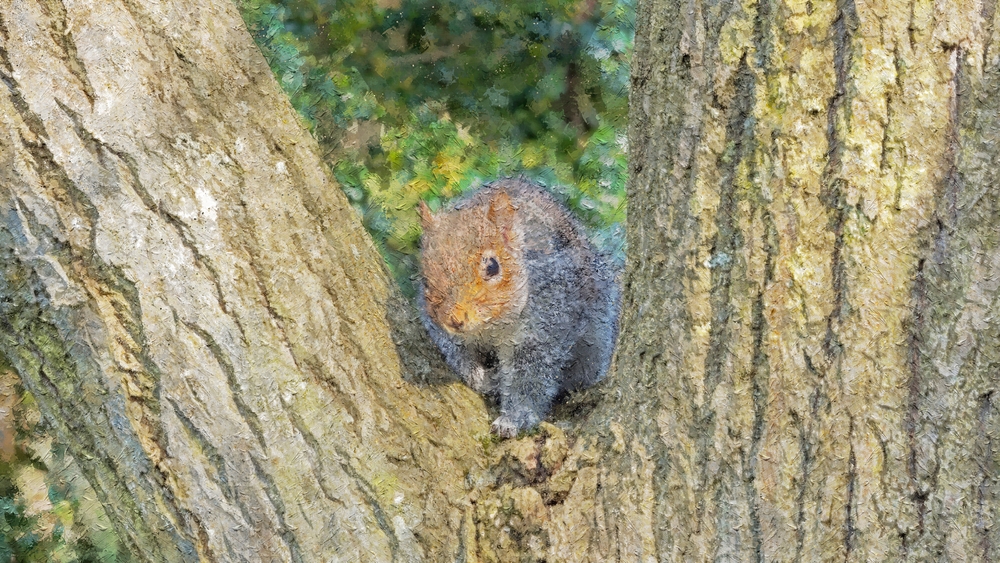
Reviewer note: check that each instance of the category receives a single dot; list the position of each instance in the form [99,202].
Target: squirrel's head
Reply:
[471,264]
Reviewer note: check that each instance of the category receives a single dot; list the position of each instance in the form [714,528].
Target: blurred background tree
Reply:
[422,100]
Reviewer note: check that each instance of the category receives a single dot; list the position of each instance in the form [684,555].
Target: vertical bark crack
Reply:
[217,463]
[891,118]
[222,359]
[61,36]
[728,239]
[923,430]
[763,39]
[305,365]
[986,497]
[371,498]
[852,475]
[759,391]
[919,300]
[760,388]
[838,116]
[807,447]
[8,70]
[953,180]
[316,463]
[274,496]
[725,253]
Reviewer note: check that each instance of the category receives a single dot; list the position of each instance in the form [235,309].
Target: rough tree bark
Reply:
[198,311]
[809,359]
[808,363]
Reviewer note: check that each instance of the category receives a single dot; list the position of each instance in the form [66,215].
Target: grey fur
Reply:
[562,339]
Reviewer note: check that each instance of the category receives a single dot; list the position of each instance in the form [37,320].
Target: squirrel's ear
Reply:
[501,209]
[426,218]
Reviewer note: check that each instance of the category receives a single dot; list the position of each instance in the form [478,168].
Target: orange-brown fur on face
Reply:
[456,250]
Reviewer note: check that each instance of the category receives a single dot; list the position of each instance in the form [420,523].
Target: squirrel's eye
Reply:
[492,267]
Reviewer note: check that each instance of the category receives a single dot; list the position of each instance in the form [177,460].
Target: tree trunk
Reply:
[199,312]
[809,357]
[808,360]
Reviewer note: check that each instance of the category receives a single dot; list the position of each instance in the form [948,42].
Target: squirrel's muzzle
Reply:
[458,319]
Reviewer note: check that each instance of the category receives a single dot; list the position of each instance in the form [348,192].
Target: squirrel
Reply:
[521,304]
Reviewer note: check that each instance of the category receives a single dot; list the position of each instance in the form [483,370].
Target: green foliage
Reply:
[421,100]
[45,516]
[20,540]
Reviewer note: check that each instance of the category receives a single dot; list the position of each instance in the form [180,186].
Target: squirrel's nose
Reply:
[457,319]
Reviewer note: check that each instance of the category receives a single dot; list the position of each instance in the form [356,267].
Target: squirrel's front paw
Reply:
[507,426]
